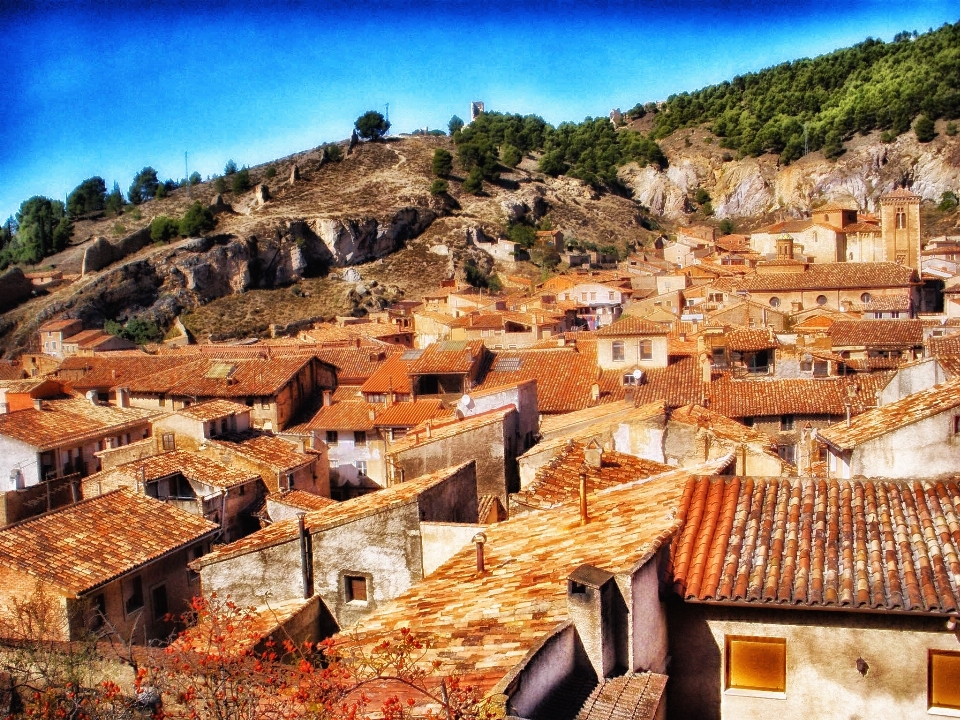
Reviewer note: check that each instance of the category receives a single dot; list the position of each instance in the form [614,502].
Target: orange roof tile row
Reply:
[558,482]
[85,545]
[876,333]
[355,365]
[213,410]
[207,377]
[820,543]
[450,356]
[629,325]
[193,466]
[563,375]
[833,276]
[391,375]
[886,418]
[445,429]
[301,500]
[69,420]
[628,697]
[275,452]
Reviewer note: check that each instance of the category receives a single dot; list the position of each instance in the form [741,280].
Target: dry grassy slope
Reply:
[375,180]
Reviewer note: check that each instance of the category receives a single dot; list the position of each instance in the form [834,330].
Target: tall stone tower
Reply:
[900,227]
[476,109]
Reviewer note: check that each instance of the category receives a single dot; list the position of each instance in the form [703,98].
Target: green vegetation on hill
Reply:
[591,150]
[870,86]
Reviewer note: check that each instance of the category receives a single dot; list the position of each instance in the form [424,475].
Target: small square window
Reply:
[756,663]
[956,424]
[333,438]
[356,588]
[132,595]
[646,350]
[360,438]
[943,680]
[362,468]
[786,422]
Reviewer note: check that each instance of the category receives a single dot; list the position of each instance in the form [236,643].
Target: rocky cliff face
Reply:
[760,186]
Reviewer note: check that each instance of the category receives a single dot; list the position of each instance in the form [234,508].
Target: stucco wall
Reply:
[924,449]
[17,455]
[555,660]
[441,541]
[912,379]
[822,651]
[648,631]
[631,352]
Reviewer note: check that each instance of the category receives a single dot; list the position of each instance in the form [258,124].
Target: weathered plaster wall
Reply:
[441,541]
[924,449]
[912,379]
[822,651]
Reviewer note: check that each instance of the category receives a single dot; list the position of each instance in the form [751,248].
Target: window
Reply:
[774,302]
[194,553]
[169,442]
[360,438]
[756,663]
[397,433]
[98,612]
[629,379]
[290,481]
[786,423]
[821,299]
[866,297]
[956,424]
[901,219]
[617,350]
[820,368]
[362,467]
[788,453]
[159,597]
[332,437]
[943,680]
[593,296]
[748,421]
[132,594]
[355,587]
[646,349]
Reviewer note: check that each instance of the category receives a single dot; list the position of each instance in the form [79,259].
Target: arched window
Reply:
[821,299]
[775,302]
[866,297]
[901,219]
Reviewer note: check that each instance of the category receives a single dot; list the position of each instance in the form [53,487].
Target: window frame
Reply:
[729,688]
[645,349]
[161,587]
[350,582]
[617,351]
[333,438]
[136,580]
[951,710]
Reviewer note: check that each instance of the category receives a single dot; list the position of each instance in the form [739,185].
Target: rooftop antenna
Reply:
[387,118]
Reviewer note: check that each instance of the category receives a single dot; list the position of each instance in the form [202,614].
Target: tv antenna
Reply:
[387,118]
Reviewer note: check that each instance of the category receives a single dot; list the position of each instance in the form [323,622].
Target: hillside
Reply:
[280,261]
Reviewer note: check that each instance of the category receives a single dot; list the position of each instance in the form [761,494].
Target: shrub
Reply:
[924,130]
[438,187]
[727,226]
[510,155]
[241,181]
[230,168]
[372,125]
[948,201]
[333,152]
[474,182]
[197,220]
[702,196]
[195,178]
[271,172]
[220,185]
[163,229]
[951,129]
[442,162]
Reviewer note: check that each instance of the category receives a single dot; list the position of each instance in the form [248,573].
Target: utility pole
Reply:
[387,118]
[186,172]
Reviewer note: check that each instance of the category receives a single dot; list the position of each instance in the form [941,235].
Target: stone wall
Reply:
[101,252]
[14,288]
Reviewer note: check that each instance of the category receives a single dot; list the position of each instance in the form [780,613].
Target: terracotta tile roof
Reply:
[887,418]
[392,374]
[209,377]
[483,625]
[785,226]
[832,276]
[448,356]
[352,415]
[886,303]
[193,466]
[10,370]
[872,364]
[107,372]
[617,411]
[876,333]
[900,193]
[720,425]
[628,697]
[57,325]
[815,323]
[85,545]
[563,375]
[269,450]
[862,227]
[410,414]
[629,325]
[68,420]
[355,365]
[213,409]
[440,318]
[301,500]
[733,243]
[743,339]
[330,516]
[446,429]
[820,543]
[676,385]
[486,505]
[791,396]
[558,482]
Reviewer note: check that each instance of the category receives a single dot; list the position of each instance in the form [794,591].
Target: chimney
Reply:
[372,414]
[592,601]
[480,540]
[595,393]
[429,427]
[123,397]
[327,398]
[306,557]
[113,373]
[593,455]
[706,369]
[38,403]
[584,517]
[847,406]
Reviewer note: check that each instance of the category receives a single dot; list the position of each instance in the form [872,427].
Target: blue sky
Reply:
[97,88]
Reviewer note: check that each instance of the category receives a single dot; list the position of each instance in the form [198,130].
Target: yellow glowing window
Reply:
[756,663]
[943,677]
